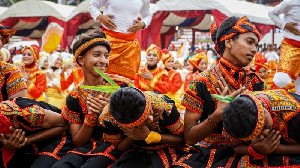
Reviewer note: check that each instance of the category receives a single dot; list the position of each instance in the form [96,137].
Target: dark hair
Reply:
[87,37]
[127,105]
[226,25]
[240,117]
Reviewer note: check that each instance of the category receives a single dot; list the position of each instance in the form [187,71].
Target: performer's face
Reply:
[152,58]
[46,64]
[263,73]
[28,57]
[58,62]
[202,65]
[95,57]
[170,64]
[242,49]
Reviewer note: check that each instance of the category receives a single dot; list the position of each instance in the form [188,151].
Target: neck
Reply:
[91,80]
[230,58]
[228,63]
[30,66]
[151,67]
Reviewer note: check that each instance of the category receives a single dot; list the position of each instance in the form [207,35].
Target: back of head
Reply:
[127,105]
[240,117]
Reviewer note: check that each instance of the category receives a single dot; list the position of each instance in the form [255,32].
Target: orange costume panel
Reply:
[75,77]
[175,83]
[38,83]
[11,80]
[190,77]
[289,59]
[124,58]
[159,82]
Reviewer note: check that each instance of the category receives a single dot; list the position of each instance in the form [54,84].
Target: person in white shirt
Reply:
[289,61]
[272,58]
[121,19]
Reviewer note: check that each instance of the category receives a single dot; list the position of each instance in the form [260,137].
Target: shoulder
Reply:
[6,68]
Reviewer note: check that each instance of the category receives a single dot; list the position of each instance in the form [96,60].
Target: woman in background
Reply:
[35,77]
[54,94]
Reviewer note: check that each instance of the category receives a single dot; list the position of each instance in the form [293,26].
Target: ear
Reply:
[229,43]
[80,60]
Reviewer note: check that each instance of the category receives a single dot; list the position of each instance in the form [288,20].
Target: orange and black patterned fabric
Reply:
[243,25]
[6,33]
[76,111]
[28,115]
[11,80]
[216,147]
[155,154]
[284,108]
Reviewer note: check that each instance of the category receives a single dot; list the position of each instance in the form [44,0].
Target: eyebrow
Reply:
[252,39]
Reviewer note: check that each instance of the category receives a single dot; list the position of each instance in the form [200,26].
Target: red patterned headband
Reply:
[142,118]
[90,43]
[156,50]
[33,50]
[260,118]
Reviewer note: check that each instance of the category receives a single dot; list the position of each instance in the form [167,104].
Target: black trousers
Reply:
[72,160]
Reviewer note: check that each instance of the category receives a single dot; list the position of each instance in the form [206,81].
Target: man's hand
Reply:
[292,27]
[96,104]
[136,133]
[106,20]
[266,144]
[13,141]
[137,26]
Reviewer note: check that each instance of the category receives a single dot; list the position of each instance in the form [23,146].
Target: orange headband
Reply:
[33,50]
[142,118]
[195,60]
[260,118]
[166,56]
[156,50]
[89,43]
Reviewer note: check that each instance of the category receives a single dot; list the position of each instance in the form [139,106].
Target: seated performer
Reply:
[83,106]
[42,141]
[151,128]
[236,42]
[252,115]
[152,77]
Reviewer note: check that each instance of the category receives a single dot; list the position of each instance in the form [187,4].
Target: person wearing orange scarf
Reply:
[152,77]
[262,70]
[35,77]
[198,63]
[175,81]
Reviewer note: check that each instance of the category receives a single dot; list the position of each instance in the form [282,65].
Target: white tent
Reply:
[255,12]
[35,8]
[2,10]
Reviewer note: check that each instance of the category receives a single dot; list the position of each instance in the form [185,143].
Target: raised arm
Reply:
[274,14]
